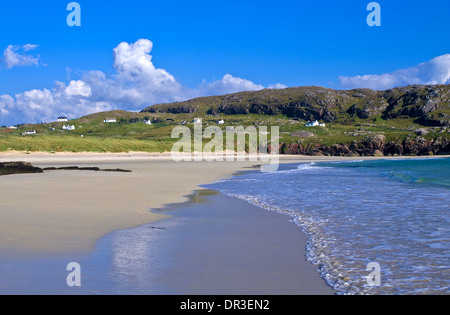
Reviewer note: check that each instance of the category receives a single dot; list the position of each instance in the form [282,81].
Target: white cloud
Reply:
[45,105]
[435,71]
[136,84]
[228,84]
[6,103]
[133,62]
[29,47]
[78,88]
[13,56]
[277,86]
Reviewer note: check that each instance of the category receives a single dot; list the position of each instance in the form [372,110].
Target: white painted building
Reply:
[221,122]
[68,127]
[62,119]
[315,124]
[110,120]
[148,122]
[197,120]
[312,124]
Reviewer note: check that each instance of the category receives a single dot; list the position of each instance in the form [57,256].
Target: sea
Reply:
[374,226]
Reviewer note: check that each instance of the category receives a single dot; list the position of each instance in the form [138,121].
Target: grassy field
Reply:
[130,133]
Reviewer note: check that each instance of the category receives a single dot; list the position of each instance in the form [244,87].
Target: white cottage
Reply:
[315,124]
[68,127]
[62,119]
[197,120]
[312,124]
[110,120]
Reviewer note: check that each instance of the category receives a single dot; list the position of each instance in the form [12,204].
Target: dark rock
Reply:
[422,132]
[10,168]
[372,146]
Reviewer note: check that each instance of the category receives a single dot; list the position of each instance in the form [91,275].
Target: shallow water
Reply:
[391,212]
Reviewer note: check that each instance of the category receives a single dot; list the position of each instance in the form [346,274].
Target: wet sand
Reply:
[211,245]
[225,245]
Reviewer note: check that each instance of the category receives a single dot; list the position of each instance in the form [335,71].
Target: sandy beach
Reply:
[68,211]
[59,212]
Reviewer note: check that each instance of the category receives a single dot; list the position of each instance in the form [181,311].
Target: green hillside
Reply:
[428,105]
[411,120]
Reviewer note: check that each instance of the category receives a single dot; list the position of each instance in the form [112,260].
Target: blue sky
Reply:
[197,43]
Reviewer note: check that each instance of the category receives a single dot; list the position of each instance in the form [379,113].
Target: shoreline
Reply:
[29,232]
[168,155]
[217,244]
[69,211]
[210,244]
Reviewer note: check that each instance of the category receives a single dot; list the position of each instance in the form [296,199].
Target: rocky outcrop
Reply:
[428,104]
[372,146]
[369,108]
[10,168]
[76,168]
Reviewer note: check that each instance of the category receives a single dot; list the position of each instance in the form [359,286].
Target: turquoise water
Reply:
[391,212]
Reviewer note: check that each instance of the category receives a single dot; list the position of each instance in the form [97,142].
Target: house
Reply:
[148,122]
[28,133]
[72,127]
[184,122]
[12,127]
[62,119]
[315,124]
[110,120]
[312,124]
[197,120]
[220,122]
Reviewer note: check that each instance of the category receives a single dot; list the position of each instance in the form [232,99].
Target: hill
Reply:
[411,120]
[429,105]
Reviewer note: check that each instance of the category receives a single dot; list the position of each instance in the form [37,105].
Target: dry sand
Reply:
[67,211]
